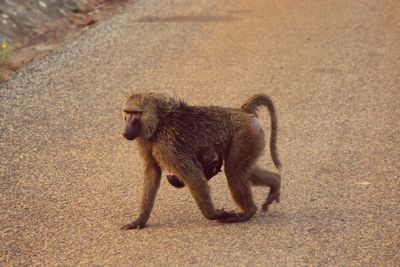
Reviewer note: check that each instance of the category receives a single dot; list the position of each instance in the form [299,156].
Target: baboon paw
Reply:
[265,207]
[133,225]
[236,219]
[223,215]
[271,198]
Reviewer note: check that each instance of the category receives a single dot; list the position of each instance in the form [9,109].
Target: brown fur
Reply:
[170,135]
[207,159]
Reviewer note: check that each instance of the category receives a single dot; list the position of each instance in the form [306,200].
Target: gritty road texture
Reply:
[69,180]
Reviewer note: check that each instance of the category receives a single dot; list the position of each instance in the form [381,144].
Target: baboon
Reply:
[207,159]
[169,134]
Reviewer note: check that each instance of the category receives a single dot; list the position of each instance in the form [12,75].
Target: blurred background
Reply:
[30,29]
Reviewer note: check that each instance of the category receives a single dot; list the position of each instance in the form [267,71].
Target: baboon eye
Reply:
[135,112]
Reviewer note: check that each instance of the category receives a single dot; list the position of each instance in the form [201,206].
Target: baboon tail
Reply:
[251,106]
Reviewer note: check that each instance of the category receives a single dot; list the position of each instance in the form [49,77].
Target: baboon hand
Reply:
[136,224]
[236,218]
[222,215]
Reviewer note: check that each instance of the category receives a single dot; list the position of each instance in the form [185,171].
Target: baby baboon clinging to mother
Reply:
[172,136]
[207,159]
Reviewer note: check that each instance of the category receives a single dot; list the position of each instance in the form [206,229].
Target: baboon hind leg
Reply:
[262,177]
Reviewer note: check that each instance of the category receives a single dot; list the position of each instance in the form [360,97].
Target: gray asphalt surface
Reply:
[69,180]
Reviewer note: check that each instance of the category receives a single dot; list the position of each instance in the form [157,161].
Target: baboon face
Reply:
[132,124]
[140,118]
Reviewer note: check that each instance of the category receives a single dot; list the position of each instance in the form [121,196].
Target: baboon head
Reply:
[140,116]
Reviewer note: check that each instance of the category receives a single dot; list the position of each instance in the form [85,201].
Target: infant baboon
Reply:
[171,136]
[207,159]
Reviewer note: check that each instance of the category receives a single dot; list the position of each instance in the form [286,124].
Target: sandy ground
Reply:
[69,180]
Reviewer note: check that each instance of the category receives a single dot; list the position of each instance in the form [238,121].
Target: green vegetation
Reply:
[5,54]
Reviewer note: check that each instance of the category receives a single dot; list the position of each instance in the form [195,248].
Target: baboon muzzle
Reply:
[132,130]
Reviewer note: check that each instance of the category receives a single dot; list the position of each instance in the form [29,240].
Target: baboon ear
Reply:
[150,120]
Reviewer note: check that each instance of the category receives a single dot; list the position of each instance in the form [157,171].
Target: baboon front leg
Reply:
[151,183]
[241,193]
[242,156]
[262,177]
[197,184]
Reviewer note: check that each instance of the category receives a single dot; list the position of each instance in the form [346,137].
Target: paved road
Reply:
[69,181]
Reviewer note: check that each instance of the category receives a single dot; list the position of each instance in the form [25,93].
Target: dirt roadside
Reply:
[42,39]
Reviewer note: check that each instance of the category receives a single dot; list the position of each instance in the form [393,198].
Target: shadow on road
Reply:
[189,18]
